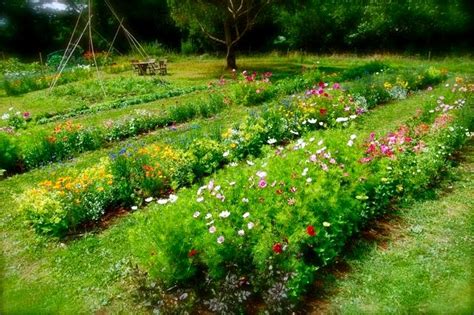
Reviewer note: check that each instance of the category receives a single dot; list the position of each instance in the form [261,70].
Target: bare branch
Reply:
[210,35]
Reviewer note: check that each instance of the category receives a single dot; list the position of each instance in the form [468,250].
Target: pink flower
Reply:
[336,86]
[262,183]
[293,189]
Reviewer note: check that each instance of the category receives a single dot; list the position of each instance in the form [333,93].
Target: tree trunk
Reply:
[230,58]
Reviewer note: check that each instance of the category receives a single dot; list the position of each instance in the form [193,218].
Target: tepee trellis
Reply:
[78,33]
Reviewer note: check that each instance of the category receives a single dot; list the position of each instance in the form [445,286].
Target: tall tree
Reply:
[224,21]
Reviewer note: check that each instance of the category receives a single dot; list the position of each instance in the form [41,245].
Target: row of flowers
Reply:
[265,229]
[28,151]
[146,172]
[14,123]
[21,82]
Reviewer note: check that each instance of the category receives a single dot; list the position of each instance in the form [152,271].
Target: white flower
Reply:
[305,171]
[172,198]
[224,214]
[320,142]
[241,232]
[162,201]
[353,137]
[312,120]
[149,199]
[321,123]
[232,184]
[326,224]
[250,163]
[271,141]
[212,229]
[233,164]
[134,208]
[350,143]
[309,180]
[210,186]
[261,174]
[246,215]
[250,225]
[208,216]
[220,239]
[245,200]
[200,199]
[294,132]
[5,116]
[217,188]
[311,139]
[196,214]
[353,116]
[342,119]
[226,154]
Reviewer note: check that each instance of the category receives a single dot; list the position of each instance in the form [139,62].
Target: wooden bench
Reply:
[149,67]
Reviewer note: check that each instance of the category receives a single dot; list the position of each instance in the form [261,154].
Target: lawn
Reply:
[106,248]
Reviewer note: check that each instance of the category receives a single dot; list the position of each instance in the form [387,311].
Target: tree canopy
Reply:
[30,26]
[225,21]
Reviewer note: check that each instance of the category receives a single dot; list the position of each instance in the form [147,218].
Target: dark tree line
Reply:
[248,25]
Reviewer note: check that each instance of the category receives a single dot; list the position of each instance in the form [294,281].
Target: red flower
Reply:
[321,84]
[323,111]
[192,253]
[310,230]
[277,248]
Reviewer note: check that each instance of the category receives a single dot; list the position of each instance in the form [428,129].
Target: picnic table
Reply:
[149,67]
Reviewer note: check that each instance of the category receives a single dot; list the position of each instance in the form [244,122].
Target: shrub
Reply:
[9,154]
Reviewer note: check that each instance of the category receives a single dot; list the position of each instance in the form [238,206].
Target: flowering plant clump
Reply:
[322,106]
[253,89]
[62,143]
[149,171]
[60,205]
[16,119]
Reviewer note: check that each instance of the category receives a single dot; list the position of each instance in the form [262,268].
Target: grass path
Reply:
[417,261]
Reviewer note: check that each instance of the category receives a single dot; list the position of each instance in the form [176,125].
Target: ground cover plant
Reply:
[93,268]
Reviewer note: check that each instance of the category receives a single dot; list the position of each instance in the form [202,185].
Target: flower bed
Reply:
[265,229]
[131,165]
[68,139]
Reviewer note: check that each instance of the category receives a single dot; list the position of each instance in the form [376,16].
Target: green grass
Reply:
[420,260]
[89,273]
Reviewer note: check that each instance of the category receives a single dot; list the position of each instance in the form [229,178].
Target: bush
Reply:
[9,154]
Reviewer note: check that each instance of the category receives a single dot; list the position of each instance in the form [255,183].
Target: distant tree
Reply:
[223,21]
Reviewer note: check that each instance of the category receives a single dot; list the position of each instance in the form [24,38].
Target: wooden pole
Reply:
[41,63]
